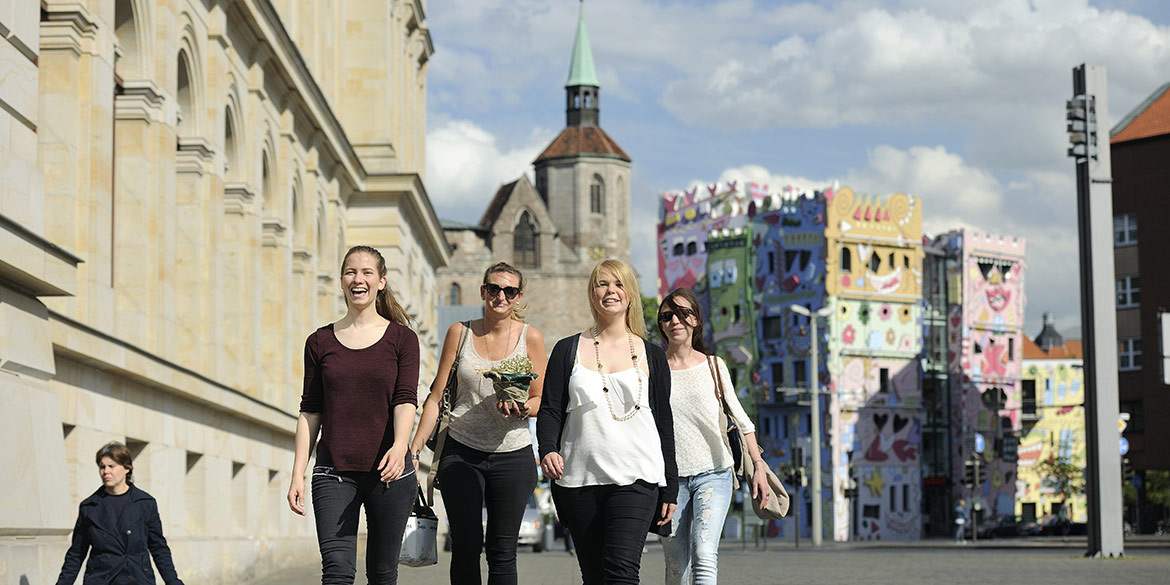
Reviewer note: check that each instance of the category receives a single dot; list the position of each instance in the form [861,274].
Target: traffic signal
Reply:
[972,475]
[1081,114]
[1126,471]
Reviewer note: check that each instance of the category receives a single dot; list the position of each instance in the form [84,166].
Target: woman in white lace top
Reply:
[704,461]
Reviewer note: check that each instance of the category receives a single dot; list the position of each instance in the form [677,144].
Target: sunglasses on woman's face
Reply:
[683,314]
[493,291]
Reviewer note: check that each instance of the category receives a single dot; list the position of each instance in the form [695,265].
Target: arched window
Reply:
[525,246]
[265,182]
[184,97]
[126,31]
[846,259]
[454,295]
[597,195]
[231,164]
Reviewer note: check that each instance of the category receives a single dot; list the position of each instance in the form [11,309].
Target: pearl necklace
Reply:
[605,388]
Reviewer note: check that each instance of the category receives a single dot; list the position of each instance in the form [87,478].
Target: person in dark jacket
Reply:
[119,529]
[606,433]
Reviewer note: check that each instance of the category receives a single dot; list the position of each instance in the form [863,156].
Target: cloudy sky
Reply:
[959,103]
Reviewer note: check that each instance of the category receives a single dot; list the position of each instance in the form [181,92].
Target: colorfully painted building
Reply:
[985,279]
[874,287]
[750,256]
[1053,418]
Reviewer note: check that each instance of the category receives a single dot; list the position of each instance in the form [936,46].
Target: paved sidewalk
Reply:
[931,561]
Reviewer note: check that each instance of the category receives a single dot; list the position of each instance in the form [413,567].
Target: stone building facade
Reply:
[179,182]
[575,215]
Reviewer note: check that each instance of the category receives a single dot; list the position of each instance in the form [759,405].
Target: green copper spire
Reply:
[581,69]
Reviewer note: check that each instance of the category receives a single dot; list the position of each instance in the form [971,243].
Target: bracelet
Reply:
[757,461]
[414,456]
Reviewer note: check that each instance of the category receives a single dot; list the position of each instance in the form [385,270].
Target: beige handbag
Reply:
[436,442]
[778,500]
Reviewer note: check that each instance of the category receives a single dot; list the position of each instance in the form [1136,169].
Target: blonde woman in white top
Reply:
[605,432]
[704,461]
[487,457]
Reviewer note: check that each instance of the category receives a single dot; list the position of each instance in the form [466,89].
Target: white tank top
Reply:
[599,450]
[475,420]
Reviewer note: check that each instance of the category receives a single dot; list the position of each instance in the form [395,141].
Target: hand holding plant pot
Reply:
[511,380]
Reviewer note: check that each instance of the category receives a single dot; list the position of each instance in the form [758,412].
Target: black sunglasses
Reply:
[493,291]
[666,316]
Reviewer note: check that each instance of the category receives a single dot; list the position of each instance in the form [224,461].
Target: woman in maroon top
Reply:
[361,378]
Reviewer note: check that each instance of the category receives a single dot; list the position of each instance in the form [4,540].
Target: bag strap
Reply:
[444,417]
[450,387]
[713,365]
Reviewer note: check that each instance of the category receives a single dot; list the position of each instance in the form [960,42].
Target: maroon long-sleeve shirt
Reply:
[355,391]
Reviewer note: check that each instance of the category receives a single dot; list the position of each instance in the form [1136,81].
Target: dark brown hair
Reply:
[385,303]
[518,310]
[120,454]
[668,302]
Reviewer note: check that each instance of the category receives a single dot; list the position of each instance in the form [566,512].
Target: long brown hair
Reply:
[625,274]
[518,310]
[668,302]
[120,454]
[385,302]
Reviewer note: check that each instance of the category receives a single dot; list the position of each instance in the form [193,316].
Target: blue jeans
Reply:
[338,497]
[692,549]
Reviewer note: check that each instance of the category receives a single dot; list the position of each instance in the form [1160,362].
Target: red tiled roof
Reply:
[1152,118]
[576,140]
[1071,350]
[497,205]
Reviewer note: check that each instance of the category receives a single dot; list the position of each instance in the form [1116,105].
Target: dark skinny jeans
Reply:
[337,501]
[470,480]
[609,525]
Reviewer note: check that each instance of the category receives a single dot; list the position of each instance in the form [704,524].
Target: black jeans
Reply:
[609,524]
[337,500]
[471,480]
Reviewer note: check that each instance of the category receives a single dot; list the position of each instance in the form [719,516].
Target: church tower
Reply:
[583,175]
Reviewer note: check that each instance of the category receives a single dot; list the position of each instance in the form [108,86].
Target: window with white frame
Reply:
[1128,291]
[1129,357]
[1125,228]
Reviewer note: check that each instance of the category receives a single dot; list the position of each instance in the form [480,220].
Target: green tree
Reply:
[650,316]
[1066,478]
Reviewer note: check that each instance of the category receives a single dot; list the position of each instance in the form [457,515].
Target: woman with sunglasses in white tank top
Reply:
[487,459]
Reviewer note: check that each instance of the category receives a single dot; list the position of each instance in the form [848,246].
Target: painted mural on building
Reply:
[874,286]
[1053,416]
[985,317]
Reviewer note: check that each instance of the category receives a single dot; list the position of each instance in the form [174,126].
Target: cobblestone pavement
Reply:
[834,564]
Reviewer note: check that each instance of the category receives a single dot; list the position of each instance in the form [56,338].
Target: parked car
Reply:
[1008,527]
[531,527]
[1058,527]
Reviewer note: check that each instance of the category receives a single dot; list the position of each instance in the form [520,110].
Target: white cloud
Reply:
[466,164]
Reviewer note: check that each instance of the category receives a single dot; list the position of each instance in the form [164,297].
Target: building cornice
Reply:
[411,185]
[97,349]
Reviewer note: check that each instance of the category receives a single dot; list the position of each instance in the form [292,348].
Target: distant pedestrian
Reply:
[119,529]
[605,431]
[486,459]
[961,522]
[705,462]
[361,379]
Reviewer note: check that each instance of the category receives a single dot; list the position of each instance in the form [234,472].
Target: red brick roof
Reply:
[497,205]
[576,140]
[1071,350]
[1151,118]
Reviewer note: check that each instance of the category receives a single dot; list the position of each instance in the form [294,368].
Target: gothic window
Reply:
[454,294]
[184,97]
[597,195]
[525,246]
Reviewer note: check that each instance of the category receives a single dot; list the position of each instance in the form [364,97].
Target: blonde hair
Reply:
[519,308]
[624,273]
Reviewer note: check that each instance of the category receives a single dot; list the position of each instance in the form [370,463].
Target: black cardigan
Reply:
[550,423]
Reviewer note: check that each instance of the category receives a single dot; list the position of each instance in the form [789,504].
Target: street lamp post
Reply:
[815,426]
